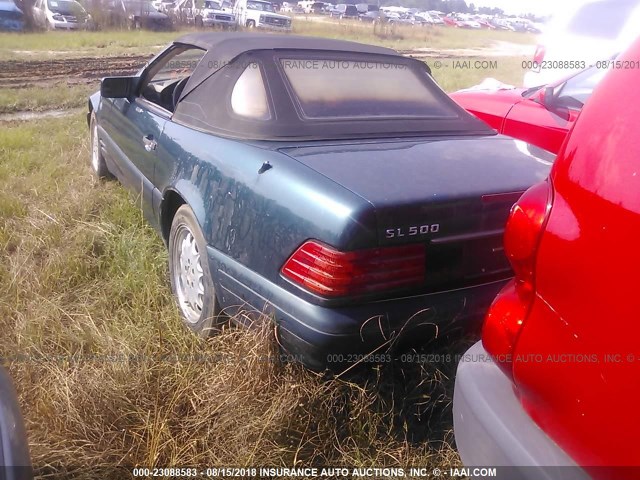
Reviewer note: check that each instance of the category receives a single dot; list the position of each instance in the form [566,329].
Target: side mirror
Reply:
[547,97]
[551,103]
[118,87]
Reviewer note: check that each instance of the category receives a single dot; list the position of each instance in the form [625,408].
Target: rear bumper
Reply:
[336,337]
[492,429]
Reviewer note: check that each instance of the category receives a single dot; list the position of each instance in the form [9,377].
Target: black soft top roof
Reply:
[225,52]
[223,47]
[232,44]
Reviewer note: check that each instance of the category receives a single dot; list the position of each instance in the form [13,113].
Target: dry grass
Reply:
[108,376]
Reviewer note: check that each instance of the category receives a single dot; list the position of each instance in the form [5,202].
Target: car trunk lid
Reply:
[452,194]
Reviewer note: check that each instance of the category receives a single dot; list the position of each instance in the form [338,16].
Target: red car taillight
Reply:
[538,56]
[331,273]
[508,311]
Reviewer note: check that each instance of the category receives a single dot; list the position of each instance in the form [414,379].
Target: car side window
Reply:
[166,79]
[249,96]
[576,90]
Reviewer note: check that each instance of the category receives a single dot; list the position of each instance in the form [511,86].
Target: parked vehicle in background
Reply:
[424,18]
[186,12]
[142,14]
[327,8]
[501,24]
[164,6]
[60,15]
[410,19]
[484,23]
[260,14]
[524,25]
[362,8]
[15,462]
[216,15]
[311,6]
[436,19]
[465,21]
[554,380]
[11,17]
[136,14]
[342,10]
[369,17]
[588,31]
[381,228]
[450,21]
[541,116]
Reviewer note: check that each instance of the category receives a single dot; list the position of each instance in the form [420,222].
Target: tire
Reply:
[98,164]
[251,24]
[191,281]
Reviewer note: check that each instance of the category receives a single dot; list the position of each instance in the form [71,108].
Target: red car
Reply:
[556,378]
[541,116]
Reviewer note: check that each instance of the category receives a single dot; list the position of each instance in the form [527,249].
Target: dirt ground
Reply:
[30,73]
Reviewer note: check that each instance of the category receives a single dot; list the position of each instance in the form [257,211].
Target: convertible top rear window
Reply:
[332,88]
[378,93]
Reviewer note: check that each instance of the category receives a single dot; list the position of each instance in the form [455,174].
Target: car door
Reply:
[135,124]
[545,118]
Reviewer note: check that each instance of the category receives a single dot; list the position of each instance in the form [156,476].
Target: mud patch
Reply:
[20,73]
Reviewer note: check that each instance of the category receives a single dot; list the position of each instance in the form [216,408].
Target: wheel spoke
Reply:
[189,275]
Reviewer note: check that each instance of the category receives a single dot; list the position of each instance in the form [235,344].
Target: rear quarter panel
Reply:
[259,219]
[587,287]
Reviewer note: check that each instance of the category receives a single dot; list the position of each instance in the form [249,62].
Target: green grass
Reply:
[54,96]
[464,72]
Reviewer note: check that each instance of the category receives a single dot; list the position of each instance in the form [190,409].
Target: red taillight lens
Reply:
[523,231]
[538,56]
[331,273]
[508,311]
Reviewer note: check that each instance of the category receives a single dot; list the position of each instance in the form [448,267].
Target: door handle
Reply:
[149,143]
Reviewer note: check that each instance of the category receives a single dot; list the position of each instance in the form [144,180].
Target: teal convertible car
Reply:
[331,185]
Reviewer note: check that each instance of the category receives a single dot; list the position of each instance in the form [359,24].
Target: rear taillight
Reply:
[508,311]
[332,273]
[538,56]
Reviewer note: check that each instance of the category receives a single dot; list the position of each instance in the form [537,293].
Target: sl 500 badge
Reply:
[412,230]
